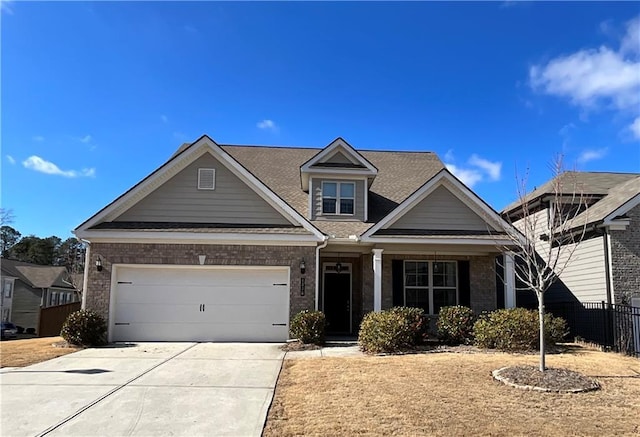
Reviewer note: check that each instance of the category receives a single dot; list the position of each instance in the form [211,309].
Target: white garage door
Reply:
[170,303]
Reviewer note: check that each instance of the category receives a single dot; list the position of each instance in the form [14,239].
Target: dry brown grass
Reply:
[20,353]
[451,394]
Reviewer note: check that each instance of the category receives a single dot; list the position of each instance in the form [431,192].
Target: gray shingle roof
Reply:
[399,175]
[589,183]
[35,275]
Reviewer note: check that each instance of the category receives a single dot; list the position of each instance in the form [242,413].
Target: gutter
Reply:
[325,241]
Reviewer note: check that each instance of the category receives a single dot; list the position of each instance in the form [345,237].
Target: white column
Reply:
[377,279]
[509,281]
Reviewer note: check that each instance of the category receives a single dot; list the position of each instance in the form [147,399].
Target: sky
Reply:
[97,95]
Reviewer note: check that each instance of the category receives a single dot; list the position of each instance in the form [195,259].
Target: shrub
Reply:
[308,326]
[516,329]
[395,330]
[84,328]
[31,331]
[20,329]
[455,324]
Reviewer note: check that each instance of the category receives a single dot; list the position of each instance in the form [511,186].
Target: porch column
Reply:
[377,280]
[509,281]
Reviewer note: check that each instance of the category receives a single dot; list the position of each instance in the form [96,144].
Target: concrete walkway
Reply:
[178,389]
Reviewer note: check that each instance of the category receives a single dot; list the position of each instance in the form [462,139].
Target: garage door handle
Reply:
[118,324]
[280,284]
[278,324]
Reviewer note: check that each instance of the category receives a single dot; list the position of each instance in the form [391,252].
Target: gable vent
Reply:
[206,179]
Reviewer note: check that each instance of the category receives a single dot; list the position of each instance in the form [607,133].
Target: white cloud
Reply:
[267,125]
[86,139]
[5,6]
[468,176]
[635,128]
[190,29]
[38,164]
[475,170]
[11,159]
[38,138]
[492,169]
[592,155]
[164,118]
[596,78]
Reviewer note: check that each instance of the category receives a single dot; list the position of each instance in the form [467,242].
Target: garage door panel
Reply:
[164,304]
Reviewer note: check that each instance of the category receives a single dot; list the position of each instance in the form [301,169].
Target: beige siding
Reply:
[179,200]
[584,275]
[316,192]
[338,158]
[441,210]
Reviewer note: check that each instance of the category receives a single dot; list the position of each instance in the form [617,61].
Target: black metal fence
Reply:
[614,327]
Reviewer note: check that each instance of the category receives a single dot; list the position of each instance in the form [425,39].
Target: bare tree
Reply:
[6,216]
[545,231]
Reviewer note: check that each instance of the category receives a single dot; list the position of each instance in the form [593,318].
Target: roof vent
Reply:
[206,179]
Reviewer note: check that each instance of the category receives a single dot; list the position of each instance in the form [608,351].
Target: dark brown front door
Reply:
[337,302]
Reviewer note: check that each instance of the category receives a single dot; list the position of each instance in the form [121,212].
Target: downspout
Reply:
[322,246]
[607,265]
[85,276]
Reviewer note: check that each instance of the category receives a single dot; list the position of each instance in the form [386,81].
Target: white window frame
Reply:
[430,287]
[7,288]
[213,171]
[338,198]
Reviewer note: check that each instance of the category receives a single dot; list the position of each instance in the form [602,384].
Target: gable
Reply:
[441,210]
[338,158]
[179,200]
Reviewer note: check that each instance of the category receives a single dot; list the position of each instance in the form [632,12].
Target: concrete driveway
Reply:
[145,389]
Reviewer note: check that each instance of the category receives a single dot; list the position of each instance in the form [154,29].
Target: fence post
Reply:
[605,318]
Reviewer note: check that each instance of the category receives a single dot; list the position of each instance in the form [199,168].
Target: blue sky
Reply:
[95,96]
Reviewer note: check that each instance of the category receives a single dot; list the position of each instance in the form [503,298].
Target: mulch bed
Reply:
[553,379]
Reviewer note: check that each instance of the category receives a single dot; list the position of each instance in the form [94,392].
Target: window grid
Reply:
[430,284]
[338,198]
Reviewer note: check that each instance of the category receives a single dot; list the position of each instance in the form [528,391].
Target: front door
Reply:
[337,297]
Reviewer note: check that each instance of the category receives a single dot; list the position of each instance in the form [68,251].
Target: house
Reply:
[27,287]
[227,243]
[605,266]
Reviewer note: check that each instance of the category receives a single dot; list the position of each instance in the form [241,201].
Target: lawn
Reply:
[20,353]
[451,394]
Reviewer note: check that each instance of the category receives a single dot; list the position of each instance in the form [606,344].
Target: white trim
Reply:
[428,188]
[213,178]
[622,209]
[193,152]
[509,280]
[320,246]
[324,272]
[453,241]
[610,267]
[85,279]
[431,287]
[338,198]
[203,238]
[311,196]
[335,145]
[377,279]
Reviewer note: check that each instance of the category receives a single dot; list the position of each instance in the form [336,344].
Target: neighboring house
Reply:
[229,242]
[606,264]
[28,287]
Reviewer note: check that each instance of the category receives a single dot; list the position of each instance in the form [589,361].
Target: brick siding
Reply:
[99,283]
[625,260]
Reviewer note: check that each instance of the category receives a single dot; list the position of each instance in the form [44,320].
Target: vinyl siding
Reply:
[338,158]
[179,200]
[441,210]
[26,305]
[316,192]
[585,273]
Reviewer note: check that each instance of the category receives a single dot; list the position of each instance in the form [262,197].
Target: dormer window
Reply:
[338,198]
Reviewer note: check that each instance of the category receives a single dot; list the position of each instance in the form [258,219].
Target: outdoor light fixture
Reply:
[303,267]
[202,259]
[99,264]
[338,267]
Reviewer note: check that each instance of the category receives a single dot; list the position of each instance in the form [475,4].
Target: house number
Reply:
[301,286]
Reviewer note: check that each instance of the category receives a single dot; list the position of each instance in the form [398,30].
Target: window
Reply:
[206,179]
[6,314]
[338,198]
[430,285]
[7,287]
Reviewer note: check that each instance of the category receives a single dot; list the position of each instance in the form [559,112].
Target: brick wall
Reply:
[625,260]
[99,283]
[481,273]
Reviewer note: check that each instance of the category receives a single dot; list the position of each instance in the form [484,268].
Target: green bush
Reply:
[395,330]
[308,326]
[516,329]
[85,328]
[455,324]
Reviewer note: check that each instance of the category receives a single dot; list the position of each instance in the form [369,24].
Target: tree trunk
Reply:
[541,317]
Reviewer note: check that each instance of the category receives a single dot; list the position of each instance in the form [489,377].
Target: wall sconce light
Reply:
[99,264]
[303,267]
[202,259]
[338,267]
